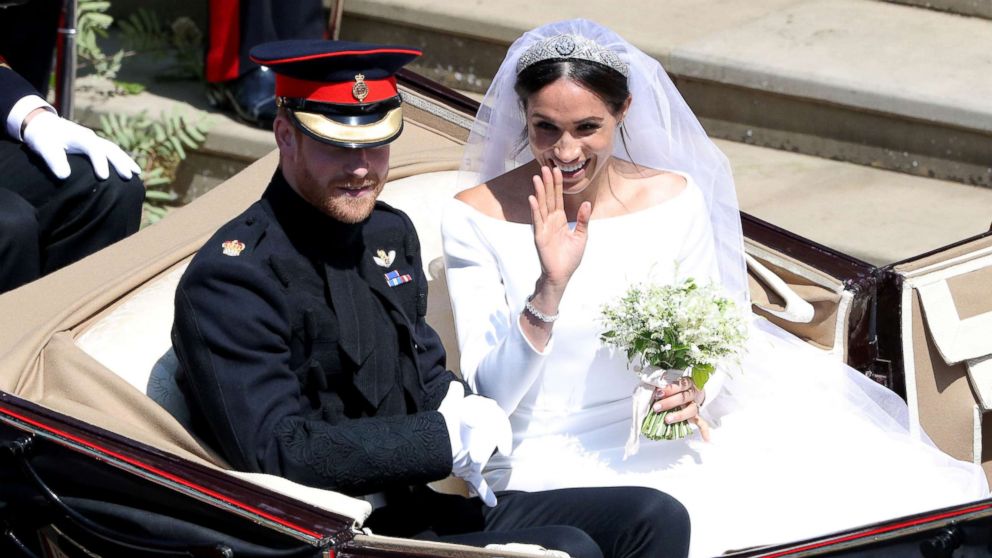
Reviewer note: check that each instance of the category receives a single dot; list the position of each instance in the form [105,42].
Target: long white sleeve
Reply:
[497,360]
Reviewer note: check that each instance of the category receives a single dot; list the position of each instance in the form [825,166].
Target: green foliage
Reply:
[187,39]
[142,32]
[182,40]
[158,145]
[129,87]
[92,23]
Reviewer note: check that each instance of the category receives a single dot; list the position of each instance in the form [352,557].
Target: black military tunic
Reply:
[302,359]
[12,88]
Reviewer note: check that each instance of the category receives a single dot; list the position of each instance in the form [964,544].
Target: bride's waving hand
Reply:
[559,248]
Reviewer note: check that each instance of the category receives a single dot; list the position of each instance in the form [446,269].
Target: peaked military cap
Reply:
[338,92]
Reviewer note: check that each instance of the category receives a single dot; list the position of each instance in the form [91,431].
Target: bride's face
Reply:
[569,127]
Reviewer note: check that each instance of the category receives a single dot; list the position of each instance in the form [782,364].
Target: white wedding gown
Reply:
[802,444]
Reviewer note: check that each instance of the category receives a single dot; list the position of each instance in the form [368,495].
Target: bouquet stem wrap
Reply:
[650,378]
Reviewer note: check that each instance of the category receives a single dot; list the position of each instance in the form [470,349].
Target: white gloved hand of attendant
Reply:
[52,137]
[476,427]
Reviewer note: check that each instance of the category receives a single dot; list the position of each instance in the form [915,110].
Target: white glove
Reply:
[476,427]
[51,137]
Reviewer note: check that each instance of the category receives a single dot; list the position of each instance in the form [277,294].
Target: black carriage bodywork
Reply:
[72,485]
[67,484]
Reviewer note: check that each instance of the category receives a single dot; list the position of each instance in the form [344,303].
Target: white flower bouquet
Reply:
[669,332]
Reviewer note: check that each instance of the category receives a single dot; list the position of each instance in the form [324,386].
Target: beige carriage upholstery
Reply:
[947,348]
[823,323]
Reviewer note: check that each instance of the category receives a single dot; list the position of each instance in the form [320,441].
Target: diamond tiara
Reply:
[566,46]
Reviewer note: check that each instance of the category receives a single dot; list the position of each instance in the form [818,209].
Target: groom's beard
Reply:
[345,200]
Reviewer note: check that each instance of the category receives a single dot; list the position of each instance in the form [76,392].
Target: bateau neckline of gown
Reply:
[690,184]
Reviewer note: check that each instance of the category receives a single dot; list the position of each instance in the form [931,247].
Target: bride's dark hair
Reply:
[605,82]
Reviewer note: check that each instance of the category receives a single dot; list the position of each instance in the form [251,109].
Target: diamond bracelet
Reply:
[546,318]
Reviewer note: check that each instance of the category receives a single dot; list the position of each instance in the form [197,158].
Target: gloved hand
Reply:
[476,427]
[51,137]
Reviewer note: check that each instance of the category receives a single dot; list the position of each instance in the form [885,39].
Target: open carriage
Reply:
[95,459]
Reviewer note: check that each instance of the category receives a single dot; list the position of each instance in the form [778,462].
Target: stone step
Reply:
[871,82]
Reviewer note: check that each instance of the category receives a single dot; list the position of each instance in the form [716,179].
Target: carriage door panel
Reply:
[946,330]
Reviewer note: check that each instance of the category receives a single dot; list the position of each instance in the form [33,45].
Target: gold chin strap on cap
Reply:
[375,132]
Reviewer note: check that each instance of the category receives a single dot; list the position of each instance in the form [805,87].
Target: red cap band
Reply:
[343,93]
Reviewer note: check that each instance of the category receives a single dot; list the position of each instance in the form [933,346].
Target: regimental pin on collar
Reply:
[360,90]
[233,247]
[384,259]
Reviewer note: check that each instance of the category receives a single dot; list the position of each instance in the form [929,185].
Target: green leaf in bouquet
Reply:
[701,374]
[640,343]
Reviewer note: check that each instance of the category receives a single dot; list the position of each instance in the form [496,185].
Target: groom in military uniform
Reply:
[305,353]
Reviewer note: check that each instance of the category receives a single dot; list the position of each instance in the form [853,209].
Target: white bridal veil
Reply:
[661,133]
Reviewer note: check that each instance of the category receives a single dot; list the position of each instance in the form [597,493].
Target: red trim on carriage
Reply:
[884,529]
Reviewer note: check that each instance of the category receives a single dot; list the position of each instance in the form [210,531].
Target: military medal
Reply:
[393,278]
[360,90]
[384,259]
[233,247]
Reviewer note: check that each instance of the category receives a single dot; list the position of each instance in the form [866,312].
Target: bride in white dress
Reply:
[802,445]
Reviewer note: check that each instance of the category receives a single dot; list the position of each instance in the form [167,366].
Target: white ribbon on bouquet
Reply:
[650,378]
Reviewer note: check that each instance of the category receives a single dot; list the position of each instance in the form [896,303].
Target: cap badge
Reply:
[360,90]
[384,259]
[233,247]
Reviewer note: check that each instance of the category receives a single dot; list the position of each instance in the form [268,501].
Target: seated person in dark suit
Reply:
[56,208]
[305,353]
